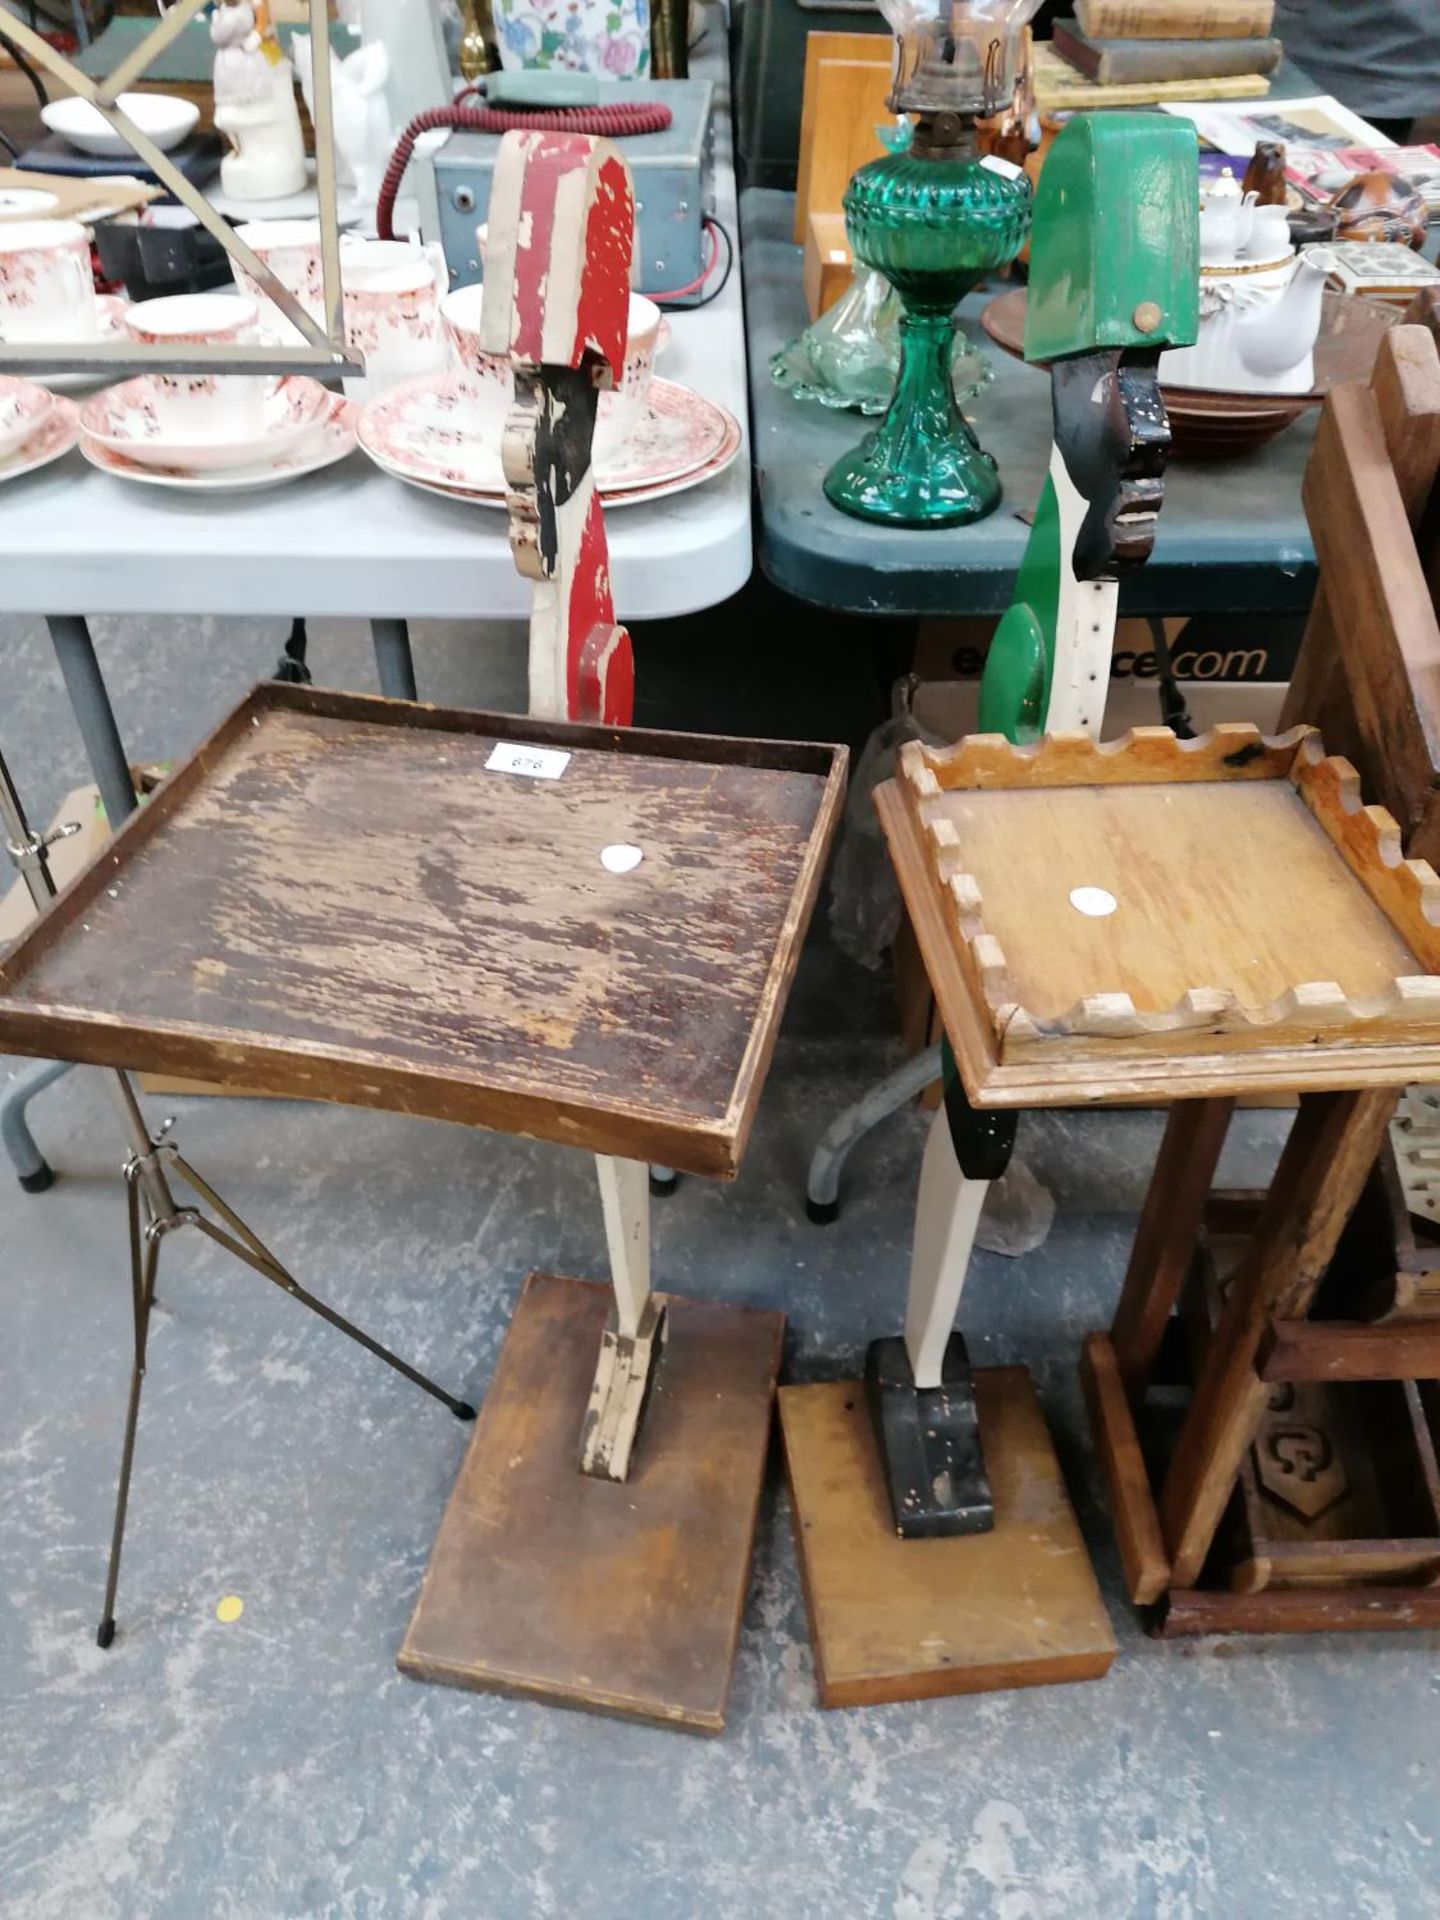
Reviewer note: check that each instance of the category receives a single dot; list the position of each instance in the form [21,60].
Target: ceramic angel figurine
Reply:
[255,105]
[364,132]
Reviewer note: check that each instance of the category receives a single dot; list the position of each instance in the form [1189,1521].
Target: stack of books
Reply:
[1127,43]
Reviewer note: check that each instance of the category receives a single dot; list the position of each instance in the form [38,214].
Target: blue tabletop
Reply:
[1232,534]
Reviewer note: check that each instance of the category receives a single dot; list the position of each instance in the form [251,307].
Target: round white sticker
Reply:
[620,858]
[1094,901]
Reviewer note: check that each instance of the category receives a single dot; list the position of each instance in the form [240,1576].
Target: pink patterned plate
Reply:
[722,457]
[328,440]
[23,409]
[426,432]
[56,434]
[124,420]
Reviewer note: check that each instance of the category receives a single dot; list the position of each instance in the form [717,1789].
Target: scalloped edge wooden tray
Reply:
[1313,1036]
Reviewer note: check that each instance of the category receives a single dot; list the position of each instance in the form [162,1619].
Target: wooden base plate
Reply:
[894,1619]
[621,1598]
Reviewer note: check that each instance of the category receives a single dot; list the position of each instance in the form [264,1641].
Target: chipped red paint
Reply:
[599,664]
[598,324]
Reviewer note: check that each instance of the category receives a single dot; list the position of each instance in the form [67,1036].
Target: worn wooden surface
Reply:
[894,1619]
[335,899]
[1351,1350]
[621,1599]
[1331,1148]
[1143,1558]
[1261,912]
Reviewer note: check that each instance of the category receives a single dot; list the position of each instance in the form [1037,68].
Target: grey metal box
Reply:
[669,170]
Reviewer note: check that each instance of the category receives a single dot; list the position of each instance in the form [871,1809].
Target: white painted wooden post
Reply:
[625,1198]
[947,1212]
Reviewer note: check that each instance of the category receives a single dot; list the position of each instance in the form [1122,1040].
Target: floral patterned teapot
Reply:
[1259,300]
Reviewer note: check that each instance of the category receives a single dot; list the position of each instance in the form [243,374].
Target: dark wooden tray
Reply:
[334,899]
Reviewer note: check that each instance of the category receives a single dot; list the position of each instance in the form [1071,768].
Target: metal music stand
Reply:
[150,1167]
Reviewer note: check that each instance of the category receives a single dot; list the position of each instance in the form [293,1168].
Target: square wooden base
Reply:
[894,1619]
[625,1597]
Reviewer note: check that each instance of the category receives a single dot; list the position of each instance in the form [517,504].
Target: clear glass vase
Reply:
[850,357]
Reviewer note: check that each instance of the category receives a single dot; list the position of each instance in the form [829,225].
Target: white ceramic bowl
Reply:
[165,118]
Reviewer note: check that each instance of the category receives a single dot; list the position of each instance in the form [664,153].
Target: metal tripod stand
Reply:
[149,1168]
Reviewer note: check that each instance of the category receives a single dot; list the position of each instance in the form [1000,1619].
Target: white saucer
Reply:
[326,443]
[123,420]
[57,434]
[425,431]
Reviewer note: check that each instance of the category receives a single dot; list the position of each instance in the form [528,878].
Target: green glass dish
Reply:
[934,223]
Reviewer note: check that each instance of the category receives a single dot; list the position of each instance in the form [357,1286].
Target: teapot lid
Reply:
[1224,187]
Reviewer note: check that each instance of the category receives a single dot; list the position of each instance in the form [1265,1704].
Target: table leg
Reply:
[1327,1159]
[848,1129]
[393,659]
[95,717]
[32,1169]
[634,1334]
[90,703]
[1165,1238]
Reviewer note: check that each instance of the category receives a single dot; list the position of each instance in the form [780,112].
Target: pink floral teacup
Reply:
[47,291]
[392,297]
[489,389]
[205,407]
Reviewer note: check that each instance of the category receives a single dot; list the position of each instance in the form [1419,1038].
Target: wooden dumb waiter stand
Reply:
[551,925]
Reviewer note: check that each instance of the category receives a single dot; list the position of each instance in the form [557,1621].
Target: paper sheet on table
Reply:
[1317,121]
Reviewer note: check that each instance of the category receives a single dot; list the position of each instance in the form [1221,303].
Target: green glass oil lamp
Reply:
[935,219]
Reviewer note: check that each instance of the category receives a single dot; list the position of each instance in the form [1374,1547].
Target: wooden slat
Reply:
[1296,1350]
[1329,1154]
[1164,1241]
[1143,1559]
[1281,1610]
[1376,587]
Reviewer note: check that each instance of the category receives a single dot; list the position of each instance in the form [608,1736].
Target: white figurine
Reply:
[255,105]
[364,134]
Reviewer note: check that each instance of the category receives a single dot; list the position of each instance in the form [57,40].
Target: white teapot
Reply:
[1259,300]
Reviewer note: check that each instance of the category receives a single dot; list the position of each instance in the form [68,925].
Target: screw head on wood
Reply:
[1146,317]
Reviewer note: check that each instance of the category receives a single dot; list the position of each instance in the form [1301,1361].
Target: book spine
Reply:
[1175,19]
[1185,60]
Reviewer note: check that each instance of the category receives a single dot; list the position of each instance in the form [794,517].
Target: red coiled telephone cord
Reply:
[614,121]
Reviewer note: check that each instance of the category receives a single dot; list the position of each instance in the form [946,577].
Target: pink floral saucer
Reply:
[125,420]
[722,457]
[23,410]
[427,432]
[328,439]
[56,434]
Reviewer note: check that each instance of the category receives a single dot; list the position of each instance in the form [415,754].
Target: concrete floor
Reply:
[280,1766]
